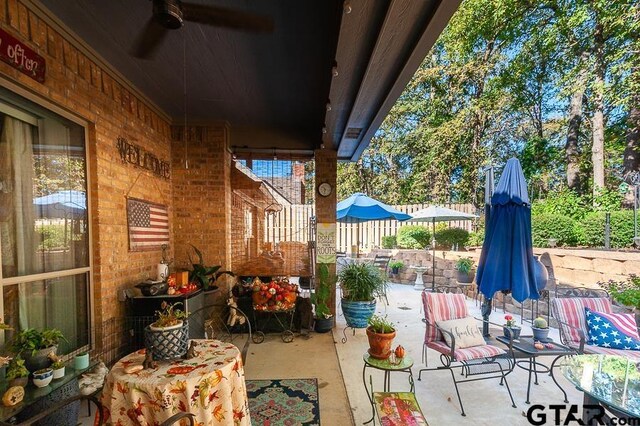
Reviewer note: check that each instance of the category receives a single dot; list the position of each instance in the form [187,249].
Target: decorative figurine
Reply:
[191,352]
[148,361]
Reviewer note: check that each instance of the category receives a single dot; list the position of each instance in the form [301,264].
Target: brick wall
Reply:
[202,194]
[78,84]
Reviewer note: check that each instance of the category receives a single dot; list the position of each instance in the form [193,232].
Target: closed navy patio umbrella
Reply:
[506,261]
[360,208]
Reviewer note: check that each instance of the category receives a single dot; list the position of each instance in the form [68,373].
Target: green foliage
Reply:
[540,322]
[476,239]
[607,200]
[413,237]
[380,324]
[361,282]
[562,228]
[464,264]
[204,275]
[169,315]
[322,291]
[621,227]
[389,242]
[16,368]
[624,292]
[452,238]
[32,340]
[564,203]
[396,264]
[52,237]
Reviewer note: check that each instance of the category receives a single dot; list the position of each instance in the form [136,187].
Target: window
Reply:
[44,226]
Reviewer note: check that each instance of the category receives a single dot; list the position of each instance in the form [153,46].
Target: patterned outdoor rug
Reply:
[283,402]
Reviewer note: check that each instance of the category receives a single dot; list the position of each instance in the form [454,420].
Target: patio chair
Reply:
[568,309]
[444,312]
[222,322]
[382,262]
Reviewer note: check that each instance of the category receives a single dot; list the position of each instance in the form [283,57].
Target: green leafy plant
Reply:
[16,368]
[476,239]
[396,264]
[621,227]
[32,340]
[413,237]
[562,228]
[322,291]
[625,292]
[452,237]
[380,324]
[540,323]
[203,275]
[389,242]
[168,315]
[361,282]
[464,264]
[57,365]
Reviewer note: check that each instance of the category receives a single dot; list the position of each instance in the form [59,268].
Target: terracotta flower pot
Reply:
[380,343]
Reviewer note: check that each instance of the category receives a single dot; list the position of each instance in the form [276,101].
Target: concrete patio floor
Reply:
[485,401]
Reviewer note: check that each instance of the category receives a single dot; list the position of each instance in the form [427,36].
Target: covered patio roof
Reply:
[272,88]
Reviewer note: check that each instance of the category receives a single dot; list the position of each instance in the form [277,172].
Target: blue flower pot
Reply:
[357,314]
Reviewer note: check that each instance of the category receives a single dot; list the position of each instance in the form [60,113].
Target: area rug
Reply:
[283,402]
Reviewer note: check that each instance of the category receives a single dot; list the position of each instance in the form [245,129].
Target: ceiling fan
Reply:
[171,15]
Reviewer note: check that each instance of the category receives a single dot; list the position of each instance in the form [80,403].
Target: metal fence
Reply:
[292,224]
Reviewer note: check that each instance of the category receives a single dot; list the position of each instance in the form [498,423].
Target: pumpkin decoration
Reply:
[274,296]
[538,345]
[399,352]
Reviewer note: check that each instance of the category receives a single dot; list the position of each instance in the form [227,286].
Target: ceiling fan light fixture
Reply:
[168,14]
[347,8]
[328,106]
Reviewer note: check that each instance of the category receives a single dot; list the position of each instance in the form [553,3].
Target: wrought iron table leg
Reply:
[531,367]
[369,395]
[554,377]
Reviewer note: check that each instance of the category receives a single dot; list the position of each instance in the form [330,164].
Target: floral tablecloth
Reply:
[210,385]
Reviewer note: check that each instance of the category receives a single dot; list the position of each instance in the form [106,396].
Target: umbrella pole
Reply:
[486,311]
[433,257]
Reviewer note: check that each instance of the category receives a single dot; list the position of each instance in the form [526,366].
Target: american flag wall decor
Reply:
[148,224]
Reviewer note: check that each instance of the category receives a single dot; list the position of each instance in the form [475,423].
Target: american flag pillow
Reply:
[616,331]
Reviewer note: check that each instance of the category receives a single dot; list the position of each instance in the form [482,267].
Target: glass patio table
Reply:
[612,382]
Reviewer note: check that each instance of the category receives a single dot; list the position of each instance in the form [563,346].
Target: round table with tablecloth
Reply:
[210,385]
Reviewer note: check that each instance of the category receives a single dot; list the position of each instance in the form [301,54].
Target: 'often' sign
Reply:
[21,57]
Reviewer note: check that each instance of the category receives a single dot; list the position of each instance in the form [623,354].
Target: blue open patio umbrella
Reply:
[506,261]
[360,208]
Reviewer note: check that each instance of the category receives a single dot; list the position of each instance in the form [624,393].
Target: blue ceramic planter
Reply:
[357,314]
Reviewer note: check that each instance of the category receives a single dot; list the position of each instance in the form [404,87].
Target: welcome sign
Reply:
[21,57]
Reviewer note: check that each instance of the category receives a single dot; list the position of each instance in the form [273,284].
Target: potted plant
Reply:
[510,328]
[205,276]
[35,346]
[626,293]
[361,283]
[380,333]
[323,320]
[58,369]
[395,266]
[42,377]
[540,329]
[463,266]
[17,374]
[168,337]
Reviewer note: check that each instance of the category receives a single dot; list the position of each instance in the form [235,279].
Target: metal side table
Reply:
[402,365]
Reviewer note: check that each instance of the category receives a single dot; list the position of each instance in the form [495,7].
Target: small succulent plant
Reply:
[540,323]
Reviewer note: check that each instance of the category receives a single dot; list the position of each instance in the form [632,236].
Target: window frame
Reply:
[8,106]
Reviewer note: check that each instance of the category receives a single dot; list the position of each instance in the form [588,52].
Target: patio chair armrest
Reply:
[452,346]
[564,339]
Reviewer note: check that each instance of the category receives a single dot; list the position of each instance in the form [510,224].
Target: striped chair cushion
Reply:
[466,354]
[442,307]
[571,311]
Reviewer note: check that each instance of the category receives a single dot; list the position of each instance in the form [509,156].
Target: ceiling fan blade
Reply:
[222,17]
[148,40]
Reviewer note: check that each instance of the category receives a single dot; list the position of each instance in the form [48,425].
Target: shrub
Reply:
[413,237]
[452,237]
[52,237]
[621,229]
[389,242]
[476,238]
[563,203]
[562,228]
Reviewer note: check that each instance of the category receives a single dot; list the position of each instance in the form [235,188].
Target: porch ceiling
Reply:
[272,88]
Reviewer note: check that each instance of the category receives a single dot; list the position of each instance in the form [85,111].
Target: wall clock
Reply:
[324,189]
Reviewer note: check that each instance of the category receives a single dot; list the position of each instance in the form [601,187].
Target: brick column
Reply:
[326,171]
[202,194]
